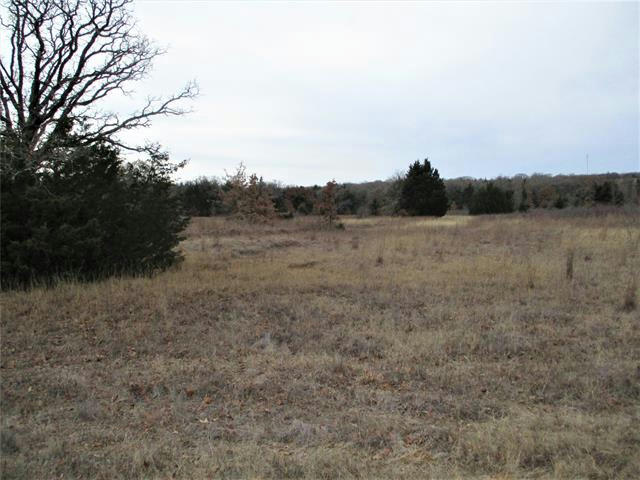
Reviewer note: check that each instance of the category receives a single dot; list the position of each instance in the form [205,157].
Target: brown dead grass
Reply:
[398,348]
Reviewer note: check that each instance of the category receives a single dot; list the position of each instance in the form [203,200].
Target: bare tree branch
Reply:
[65,57]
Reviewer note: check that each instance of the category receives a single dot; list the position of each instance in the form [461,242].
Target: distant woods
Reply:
[543,192]
[206,196]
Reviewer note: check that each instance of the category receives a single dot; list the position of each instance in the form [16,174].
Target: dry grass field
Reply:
[495,347]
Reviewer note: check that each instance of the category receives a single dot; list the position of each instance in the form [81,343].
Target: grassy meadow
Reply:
[461,347]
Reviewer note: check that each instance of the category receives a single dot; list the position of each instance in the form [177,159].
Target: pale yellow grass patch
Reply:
[396,348]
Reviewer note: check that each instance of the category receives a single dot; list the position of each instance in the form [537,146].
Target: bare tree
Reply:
[60,58]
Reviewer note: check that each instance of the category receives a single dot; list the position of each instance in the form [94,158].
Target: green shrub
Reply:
[86,214]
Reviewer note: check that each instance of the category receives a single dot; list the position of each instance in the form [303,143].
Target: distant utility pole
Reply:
[587,164]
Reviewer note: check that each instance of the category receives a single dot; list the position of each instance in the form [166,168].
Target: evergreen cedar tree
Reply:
[423,191]
[88,216]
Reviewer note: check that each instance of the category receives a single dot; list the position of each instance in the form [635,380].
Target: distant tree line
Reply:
[551,192]
[421,191]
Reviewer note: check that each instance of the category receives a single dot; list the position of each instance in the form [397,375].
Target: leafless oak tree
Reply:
[60,58]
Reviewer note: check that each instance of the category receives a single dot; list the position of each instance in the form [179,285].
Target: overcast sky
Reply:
[305,92]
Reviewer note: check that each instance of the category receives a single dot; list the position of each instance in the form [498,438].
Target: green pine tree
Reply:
[423,191]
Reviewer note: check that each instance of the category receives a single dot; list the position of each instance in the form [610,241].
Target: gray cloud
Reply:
[306,92]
